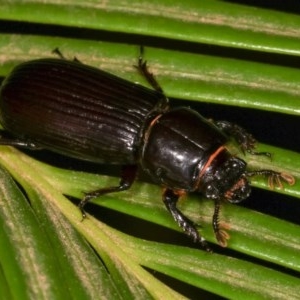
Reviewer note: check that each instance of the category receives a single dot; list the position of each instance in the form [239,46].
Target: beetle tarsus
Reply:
[221,235]
[127,178]
[170,199]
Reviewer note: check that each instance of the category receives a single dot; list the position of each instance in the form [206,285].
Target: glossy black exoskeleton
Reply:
[86,113]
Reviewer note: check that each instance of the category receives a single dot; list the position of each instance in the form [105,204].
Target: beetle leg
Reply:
[143,69]
[60,55]
[245,140]
[170,199]
[274,178]
[221,235]
[127,178]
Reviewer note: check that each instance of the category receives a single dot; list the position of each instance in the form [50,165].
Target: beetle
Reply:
[86,113]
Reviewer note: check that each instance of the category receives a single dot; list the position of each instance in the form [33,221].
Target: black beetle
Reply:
[86,113]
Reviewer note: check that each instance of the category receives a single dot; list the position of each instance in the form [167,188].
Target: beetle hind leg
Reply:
[127,178]
[170,199]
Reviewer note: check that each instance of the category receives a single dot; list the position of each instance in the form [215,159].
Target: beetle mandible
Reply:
[83,112]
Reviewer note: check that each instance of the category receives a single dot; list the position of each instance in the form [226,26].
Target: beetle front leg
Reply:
[127,178]
[245,140]
[170,199]
[221,235]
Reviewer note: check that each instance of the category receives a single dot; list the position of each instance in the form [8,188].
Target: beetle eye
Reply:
[239,191]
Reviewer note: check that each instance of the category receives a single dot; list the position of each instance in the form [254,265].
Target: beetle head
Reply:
[226,181]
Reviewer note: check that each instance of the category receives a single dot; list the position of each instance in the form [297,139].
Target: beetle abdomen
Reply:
[77,110]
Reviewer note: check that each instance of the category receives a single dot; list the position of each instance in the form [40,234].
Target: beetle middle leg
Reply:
[127,178]
[143,69]
[170,199]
